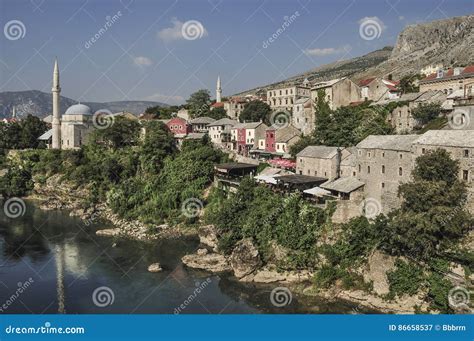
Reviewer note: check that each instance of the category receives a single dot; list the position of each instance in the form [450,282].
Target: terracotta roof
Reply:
[365,82]
[218,105]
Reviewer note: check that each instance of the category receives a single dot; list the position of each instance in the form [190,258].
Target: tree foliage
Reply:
[426,112]
[22,134]
[255,111]
[199,103]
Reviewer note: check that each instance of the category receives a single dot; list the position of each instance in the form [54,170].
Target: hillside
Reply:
[40,104]
[448,41]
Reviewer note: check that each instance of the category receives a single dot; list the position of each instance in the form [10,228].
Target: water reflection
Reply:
[68,262]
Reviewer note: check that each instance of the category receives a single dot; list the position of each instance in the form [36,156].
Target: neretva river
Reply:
[53,263]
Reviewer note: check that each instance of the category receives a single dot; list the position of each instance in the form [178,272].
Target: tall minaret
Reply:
[218,90]
[56,114]
[14,113]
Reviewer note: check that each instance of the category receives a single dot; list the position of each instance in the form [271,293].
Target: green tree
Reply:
[157,144]
[426,112]
[255,111]
[322,118]
[199,103]
[432,216]
[217,113]
[122,132]
[407,83]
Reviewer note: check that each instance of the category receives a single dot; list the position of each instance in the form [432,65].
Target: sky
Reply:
[164,50]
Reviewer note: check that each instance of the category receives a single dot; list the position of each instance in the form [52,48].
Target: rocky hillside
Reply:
[449,41]
[333,70]
[40,104]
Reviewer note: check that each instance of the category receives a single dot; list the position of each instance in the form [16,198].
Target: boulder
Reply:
[268,276]
[379,264]
[108,232]
[245,258]
[202,252]
[155,267]
[212,262]
[208,236]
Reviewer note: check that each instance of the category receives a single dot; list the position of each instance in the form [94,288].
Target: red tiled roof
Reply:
[468,69]
[218,105]
[366,82]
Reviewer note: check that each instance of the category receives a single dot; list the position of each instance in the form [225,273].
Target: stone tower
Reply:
[218,90]
[56,90]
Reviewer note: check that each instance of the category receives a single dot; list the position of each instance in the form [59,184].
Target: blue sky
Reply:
[143,54]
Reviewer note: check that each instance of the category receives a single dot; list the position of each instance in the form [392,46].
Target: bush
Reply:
[405,279]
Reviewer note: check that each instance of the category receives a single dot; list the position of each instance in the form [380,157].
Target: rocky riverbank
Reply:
[56,194]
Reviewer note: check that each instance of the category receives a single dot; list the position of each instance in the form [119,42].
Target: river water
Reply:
[61,266]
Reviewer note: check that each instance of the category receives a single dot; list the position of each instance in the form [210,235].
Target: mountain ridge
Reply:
[39,103]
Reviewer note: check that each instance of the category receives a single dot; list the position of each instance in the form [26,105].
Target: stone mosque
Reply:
[69,131]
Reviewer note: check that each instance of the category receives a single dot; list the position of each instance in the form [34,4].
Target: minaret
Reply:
[56,114]
[218,90]
[14,113]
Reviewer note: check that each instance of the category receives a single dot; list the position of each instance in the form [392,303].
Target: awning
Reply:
[267,179]
[46,136]
[317,191]
[283,163]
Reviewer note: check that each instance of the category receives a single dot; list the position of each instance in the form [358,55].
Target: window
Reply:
[383,154]
[353,173]
[368,154]
[309,172]
[301,160]
[360,152]
[383,169]
[466,152]
[368,169]
[401,156]
[383,184]
[400,171]
[423,150]
[315,173]
[359,168]
[465,175]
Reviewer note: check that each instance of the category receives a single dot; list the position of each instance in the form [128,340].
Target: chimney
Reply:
[338,163]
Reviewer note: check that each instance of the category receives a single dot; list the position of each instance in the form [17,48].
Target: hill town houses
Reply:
[367,174]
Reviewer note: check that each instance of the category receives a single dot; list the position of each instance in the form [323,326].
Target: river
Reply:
[61,266]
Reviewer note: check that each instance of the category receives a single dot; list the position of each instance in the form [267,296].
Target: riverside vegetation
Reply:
[147,179]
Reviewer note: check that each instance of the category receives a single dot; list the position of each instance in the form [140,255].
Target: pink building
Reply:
[179,126]
[270,139]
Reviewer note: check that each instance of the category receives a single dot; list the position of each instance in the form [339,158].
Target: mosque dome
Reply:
[78,109]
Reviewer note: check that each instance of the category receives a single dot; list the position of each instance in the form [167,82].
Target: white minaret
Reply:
[56,114]
[218,90]
[14,113]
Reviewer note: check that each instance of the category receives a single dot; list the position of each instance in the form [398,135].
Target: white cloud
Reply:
[193,30]
[142,61]
[158,97]
[326,51]
[376,20]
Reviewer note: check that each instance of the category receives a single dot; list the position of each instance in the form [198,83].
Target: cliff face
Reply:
[449,42]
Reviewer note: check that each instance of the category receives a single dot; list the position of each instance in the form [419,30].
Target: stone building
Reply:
[71,130]
[383,163]
[322,161]
[401,118]
[449,80]
[460,144]
[234,107]
[338,92]
[201,124]
[220,132]
[286,137]
[303,116]
[284,98]
[375,89]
